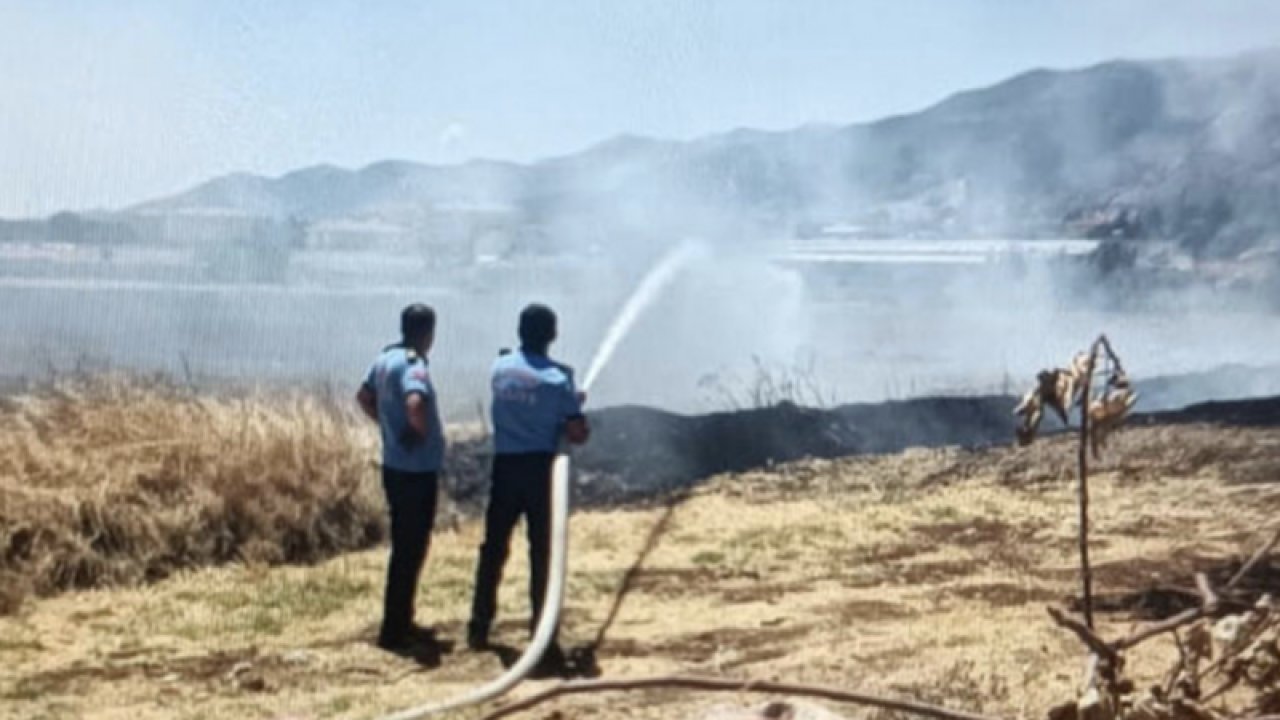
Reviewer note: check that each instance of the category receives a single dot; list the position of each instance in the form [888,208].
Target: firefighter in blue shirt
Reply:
[398,395]
[535,407]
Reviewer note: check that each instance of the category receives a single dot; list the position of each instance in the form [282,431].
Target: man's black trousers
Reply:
[521,486]
[411,498]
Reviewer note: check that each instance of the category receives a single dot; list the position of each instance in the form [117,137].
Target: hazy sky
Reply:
[104,104]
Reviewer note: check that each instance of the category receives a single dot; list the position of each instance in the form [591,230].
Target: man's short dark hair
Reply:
[537,327]
[416,322]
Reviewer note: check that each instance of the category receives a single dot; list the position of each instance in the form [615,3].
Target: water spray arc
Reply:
[643,296]
[645,293]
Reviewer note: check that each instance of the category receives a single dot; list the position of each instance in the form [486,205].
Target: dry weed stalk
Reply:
[1218,652]
[1070,388]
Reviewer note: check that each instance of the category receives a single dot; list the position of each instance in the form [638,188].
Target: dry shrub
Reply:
[115,480]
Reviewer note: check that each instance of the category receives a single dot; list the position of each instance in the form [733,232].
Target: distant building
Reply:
[349,234]
[442,235]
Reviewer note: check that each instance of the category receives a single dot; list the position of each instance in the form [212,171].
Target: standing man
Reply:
[535,406]
[397,394]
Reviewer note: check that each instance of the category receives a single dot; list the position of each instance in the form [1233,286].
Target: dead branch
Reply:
[1226,686]
[1082,469]
[1105,344]
[1186,617]
[1085,633]
[1254,559]
[1171,680]
[690,682]
[1208,598]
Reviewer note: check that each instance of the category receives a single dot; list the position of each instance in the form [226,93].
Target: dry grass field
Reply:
[923,574]
[118,480]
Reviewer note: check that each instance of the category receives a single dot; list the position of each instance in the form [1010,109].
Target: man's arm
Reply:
[576,428]
[368,402]
[416,410]
[577,431]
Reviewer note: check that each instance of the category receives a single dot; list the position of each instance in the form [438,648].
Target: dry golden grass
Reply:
[923,574]
[113,480]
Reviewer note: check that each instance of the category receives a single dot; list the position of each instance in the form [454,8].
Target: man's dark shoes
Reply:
[399,644]
[416,641]
[418,633]
[553,662]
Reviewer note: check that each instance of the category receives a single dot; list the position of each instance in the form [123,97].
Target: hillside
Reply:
[1175,149]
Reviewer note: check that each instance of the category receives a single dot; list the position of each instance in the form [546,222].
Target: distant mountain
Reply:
[1187,150]
[326,191]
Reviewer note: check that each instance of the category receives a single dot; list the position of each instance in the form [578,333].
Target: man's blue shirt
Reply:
[393,378]
[533,397]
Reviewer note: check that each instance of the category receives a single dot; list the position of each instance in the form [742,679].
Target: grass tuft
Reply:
[120,480]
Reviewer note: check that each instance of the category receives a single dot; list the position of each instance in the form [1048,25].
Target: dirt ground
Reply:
[923,574]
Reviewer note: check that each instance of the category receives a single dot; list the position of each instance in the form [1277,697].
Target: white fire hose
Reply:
[550,608]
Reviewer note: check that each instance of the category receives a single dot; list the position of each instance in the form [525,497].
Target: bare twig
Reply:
[1085,633]
[1254,560]
[1226,686]
[1082,468]
[1171,680]
[690,682]
[1186,617]
[1105,344]
[1208,598]
[1090,674]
